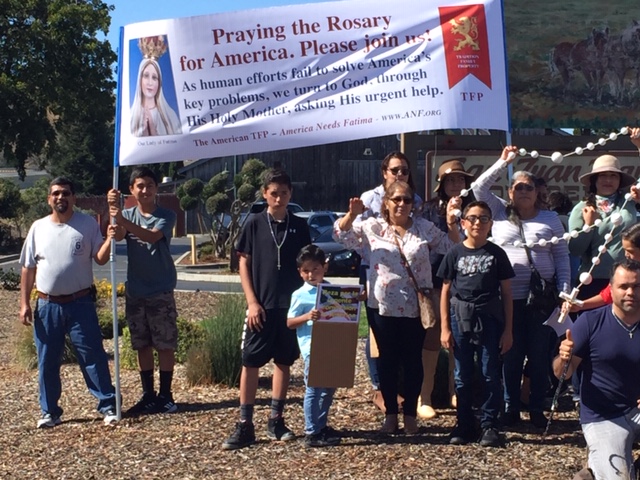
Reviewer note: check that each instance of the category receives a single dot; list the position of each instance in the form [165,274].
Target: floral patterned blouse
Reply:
[390,288]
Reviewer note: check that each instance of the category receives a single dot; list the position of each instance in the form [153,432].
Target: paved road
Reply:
[188,279]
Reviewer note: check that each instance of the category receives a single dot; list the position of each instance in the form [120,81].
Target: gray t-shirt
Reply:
[62,253]
[150,270]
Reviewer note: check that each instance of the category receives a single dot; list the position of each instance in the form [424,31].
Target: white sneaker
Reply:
[110,417]
[48,421]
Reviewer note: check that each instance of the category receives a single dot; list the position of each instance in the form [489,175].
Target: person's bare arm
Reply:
[255,313]
[27,280]
[148,236]
[446,337]
[566,355]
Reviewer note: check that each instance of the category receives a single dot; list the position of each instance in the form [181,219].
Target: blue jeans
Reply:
[78,319]
[317,402]
[610,444]
[530,340]
[489,356]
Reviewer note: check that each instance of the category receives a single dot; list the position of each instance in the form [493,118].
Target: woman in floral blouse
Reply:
[396,321]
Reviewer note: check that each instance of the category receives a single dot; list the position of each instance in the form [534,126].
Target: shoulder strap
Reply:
[526,249]
[405,263]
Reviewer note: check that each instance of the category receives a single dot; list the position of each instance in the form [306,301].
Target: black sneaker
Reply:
[330,432]
[277,430]
[490,438]
[538,419]
[320,440]
[145,406]
[509,419]
[243,436]
[461,435]
[165,404]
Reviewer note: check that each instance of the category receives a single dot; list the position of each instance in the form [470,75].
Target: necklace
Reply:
[631,330]
[273,235]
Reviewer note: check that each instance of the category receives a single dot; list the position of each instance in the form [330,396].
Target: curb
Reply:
[9,258]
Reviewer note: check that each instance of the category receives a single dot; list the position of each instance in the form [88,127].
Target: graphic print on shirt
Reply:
[474,264]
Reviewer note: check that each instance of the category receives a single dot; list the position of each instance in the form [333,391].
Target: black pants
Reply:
[399,342]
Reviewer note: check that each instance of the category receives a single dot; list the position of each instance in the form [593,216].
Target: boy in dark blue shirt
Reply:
[476,308]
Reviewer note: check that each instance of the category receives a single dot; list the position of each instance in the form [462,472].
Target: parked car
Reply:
[342,261]
[258,207]
[319,220]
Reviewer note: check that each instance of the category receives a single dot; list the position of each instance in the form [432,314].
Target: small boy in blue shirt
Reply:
[302,313]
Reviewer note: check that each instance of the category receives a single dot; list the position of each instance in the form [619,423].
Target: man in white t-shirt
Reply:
[57,255]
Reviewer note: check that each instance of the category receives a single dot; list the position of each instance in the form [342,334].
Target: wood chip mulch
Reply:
[187,445]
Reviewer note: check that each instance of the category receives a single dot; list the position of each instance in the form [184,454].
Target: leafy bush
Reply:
[221,346]
[105,319]
[103,288]
[10,280]
[189,335]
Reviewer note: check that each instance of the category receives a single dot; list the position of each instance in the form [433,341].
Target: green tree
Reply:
[53,69]
[11,203]
[35,201]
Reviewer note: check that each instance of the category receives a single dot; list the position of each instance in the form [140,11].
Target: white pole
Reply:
[114,305]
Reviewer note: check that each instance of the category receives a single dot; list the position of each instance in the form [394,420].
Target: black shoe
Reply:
[165,404]
[145,406]
[538,419]
[461,435]
[490,438]
[330,432]
[320,440]
[243,436]
[277,430]
[510,418]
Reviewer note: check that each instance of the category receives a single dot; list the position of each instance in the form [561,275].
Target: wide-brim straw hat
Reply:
[448,167]
[607,163]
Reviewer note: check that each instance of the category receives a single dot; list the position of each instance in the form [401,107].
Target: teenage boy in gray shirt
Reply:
[151,280]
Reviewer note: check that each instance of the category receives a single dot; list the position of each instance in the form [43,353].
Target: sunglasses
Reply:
[405,200]
[524,187]
[61,193]
[398,171]
[484,219]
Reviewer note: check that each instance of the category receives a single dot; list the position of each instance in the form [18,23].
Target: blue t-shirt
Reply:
[303,300]
[610,362]
[150,268]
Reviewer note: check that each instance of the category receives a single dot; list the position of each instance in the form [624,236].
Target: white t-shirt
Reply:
[62,253]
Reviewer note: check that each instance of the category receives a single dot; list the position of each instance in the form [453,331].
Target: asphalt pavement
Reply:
[190,278]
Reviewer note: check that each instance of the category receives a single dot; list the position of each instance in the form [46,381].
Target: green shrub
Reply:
[223,334]
[189,335]
[105,319]
[199,369]
[10,279]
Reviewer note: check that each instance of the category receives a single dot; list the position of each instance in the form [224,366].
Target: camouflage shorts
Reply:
[152,322]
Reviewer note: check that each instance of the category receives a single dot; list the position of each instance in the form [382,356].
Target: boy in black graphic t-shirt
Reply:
[477,313]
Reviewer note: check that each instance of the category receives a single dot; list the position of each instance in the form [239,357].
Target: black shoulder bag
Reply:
[543,295]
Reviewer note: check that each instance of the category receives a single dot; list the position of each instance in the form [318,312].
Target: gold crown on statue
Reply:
[152,47]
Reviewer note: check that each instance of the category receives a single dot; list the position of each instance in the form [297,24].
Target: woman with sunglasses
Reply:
[520,221]
[392,297]
[395,166]
[452,178]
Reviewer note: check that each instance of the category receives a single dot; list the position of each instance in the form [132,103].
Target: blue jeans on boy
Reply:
[530,340]
[317,402]
[489,357]
[78,319]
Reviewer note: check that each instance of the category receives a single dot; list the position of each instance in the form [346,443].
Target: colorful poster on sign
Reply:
[301,75]
[338,303]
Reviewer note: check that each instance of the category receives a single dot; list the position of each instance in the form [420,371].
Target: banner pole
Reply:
[112,256]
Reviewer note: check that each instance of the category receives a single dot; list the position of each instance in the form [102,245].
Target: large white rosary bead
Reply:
[457,213]
[602,249]
[624,131]
[607,238]
[586,228]
[586,278]
[597,222]
[595,260]
[522,152]
[602,141]
[613,136]
[616,218]
[566,236]
[590,146]
[534,154]
[579,150]
[542,242]
[557,157]
[464,192]
[517,243]
[511,156]
[575,233]
[555,240]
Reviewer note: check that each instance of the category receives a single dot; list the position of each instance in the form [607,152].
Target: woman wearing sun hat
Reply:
[452,178]
[606,185]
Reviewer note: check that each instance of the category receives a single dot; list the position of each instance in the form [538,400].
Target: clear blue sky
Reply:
[134,11]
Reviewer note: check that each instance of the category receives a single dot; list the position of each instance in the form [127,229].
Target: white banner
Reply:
[284,77]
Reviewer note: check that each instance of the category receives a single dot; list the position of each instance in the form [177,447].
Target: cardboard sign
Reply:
[332,361]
